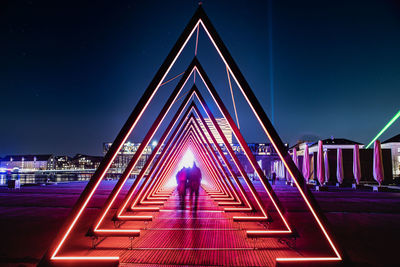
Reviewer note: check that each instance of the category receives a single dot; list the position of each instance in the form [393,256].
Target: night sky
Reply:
[71,72]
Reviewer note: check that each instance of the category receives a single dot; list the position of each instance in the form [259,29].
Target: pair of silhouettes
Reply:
[189,178]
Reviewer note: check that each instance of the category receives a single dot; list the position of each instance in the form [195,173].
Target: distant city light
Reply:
[385,128]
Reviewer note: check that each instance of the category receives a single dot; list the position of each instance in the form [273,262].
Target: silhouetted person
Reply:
[194,181]
[181,180]
[273,178]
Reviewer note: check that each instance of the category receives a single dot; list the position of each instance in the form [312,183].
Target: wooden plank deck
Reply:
[207,236]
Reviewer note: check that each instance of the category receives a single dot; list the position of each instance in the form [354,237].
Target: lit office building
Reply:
[85,162]
[62,163]
[223,124]
[125,155]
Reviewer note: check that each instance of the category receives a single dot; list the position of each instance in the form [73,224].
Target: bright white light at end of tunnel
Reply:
[187,160]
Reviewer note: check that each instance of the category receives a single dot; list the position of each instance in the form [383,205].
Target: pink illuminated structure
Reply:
[188,135]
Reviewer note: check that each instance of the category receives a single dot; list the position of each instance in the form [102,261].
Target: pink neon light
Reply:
[168,155]
[167,172]
[310,259]
[269,232]
[237,209]
[151,137]
[85,258]
[207,164]
[207,167]
[164,172]
[115,154]
[265,130]
[160,182]
[224,159]
[151,160]
[216,157]
[276,149]
[159,173]
[203,154]
[123,230]
[196,132]
[138,195]
[137,159]
[222,173]
[231,153]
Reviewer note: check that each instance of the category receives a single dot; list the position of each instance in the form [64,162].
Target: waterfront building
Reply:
[62,163]
[264,153]
[125,155]
[84,162]
[28,162]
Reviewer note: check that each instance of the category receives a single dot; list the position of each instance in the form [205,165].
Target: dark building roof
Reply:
[92,158]
[336,141]
[44,157]
[297,145]
[394,139]
[60,157]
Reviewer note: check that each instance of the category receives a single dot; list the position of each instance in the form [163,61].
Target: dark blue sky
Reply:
[71,72]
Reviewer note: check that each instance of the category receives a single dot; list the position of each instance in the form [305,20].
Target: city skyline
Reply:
[80,76]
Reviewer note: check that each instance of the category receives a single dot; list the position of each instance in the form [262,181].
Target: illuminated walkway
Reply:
[30,217]
[186,237]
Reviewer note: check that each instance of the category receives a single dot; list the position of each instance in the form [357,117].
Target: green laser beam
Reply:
[385,128]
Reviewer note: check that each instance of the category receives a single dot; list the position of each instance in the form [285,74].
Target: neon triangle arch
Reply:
[160,161]
[156,151]
[199,18]
[197,67]
[124,177]
[192,106]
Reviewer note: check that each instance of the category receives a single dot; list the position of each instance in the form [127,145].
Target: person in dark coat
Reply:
[273,178]
[194,181]
[181,180]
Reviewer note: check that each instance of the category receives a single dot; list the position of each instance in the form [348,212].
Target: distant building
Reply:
[28,162]
[63,163]
[125,155]
[264,153]
[330,146]
[81,162]
[129,148]
[223,124]
[394,145]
